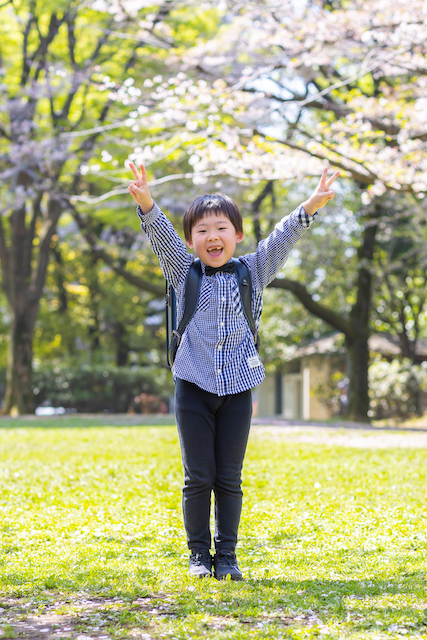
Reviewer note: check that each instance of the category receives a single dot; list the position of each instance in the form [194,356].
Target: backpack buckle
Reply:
[173,347]
[176,338]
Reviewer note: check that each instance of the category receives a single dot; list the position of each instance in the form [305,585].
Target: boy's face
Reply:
[214,239]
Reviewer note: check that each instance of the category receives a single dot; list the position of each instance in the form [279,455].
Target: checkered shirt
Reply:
[217,350]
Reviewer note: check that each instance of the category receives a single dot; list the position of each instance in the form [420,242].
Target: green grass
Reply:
[333,540]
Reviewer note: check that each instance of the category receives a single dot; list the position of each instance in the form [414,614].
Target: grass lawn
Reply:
[333,538]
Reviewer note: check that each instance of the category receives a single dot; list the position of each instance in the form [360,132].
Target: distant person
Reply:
[217,363]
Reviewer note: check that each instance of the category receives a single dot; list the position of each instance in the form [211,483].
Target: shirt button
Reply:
[220,347]
[223,299]
[221,324]
[219,370]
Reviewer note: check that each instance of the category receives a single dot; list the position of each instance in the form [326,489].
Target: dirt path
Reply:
[363,438]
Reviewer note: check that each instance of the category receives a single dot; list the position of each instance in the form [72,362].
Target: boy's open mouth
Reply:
[214,252]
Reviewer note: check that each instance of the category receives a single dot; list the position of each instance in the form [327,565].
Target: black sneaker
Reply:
[225,564]
[200,564]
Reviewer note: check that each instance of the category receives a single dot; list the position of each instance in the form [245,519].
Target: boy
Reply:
[217,363]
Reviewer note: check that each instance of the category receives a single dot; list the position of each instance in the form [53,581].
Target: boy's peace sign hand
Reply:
[321,194]
[139,190]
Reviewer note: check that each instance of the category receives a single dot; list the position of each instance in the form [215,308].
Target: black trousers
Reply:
[213,433]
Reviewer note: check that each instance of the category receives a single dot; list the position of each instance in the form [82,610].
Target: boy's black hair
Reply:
[216,203]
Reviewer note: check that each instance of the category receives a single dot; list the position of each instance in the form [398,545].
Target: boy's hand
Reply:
[321,194]
[139,190]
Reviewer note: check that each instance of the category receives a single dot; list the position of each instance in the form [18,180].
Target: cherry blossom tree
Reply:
[68,72]
[333,82]
[259,92]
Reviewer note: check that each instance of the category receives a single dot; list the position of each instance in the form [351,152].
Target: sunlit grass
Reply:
[333,539]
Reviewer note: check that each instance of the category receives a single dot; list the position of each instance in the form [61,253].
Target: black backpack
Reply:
[192,290]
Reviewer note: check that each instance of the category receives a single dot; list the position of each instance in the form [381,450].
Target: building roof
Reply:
[382,343]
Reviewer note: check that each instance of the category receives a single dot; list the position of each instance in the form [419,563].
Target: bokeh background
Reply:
[251,98]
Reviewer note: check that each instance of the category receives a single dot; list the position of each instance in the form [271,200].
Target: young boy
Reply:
[217,363]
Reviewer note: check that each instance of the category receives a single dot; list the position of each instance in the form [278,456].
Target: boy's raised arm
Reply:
[165,242]
[139,189]
[321,194]
[273,251]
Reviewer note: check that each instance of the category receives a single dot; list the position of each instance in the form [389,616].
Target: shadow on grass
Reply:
[277,603]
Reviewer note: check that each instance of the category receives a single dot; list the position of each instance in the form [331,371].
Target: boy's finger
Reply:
[134,189]
[322,182]
[134,170]
[143,172]
[332,178]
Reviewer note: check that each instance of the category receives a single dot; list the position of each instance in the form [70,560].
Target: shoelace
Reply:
[228,559]
[198,558]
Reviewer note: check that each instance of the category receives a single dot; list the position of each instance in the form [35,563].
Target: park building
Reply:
[312,384]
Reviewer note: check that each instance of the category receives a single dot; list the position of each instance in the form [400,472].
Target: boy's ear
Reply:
[239,236]
[189,244]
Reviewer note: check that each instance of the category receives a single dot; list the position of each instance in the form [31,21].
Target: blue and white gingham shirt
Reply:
[217,351]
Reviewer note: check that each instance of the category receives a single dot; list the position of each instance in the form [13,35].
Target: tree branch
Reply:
[54,25]
[71,36]
[367,178]
[26,60]
[4,133]
[101,41]
[346,81]
[319,310]
[29,237]
[268,190]
[4,260]
[55,208]
[112,262]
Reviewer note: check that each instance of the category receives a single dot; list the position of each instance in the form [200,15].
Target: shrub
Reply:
[97,388]
[396,388]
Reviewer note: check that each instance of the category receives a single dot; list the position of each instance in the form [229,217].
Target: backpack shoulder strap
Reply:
[245,287]
[192,291]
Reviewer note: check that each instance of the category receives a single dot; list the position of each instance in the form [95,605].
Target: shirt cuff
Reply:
[303,218]
[151,216]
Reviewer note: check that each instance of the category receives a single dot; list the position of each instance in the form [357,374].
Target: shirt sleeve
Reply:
[167,245]
[273,251]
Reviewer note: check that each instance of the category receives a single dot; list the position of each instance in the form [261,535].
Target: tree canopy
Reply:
[251,98]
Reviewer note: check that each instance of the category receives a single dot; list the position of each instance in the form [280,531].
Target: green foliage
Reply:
[332,545]
[89,314]
[401,266]
[395,388]
[97,388]
[324,260]
[285,325]
[330,391]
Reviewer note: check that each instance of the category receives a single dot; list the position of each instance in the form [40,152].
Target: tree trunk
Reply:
[19,393]
[356,327]
[122,344]
[357,372]
[23,278]
[357,339]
